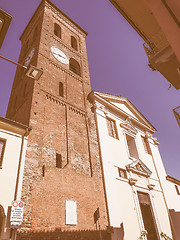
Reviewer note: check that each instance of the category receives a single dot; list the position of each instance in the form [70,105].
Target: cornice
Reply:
[154,139]
[62,103]
[173,180]
[62,15]
[78,78]
[64,45]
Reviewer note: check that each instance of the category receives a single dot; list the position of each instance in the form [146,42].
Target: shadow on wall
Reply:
[2,219]
[63,235]
[118,233]
[175,216]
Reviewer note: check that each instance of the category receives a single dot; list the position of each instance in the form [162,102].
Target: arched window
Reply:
[61,89]
[74,43]
[58,160]
[57,30]
[74,66]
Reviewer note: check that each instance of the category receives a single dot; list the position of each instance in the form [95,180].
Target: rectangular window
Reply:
[58,160]
[43,170]
[132,147]
[111,125]
[122,173]
[61,90]
[177,189]
[146,145]
[2,147]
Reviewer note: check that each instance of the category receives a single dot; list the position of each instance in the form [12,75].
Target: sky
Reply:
[117,62]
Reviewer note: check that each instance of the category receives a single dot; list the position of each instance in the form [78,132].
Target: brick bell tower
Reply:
[62,184]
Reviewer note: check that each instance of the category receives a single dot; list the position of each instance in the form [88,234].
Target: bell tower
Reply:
[62,184]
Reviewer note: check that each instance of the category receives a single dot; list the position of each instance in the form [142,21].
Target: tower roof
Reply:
[54,6]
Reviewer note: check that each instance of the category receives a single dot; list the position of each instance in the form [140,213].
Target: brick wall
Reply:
[64,235]
[63,125]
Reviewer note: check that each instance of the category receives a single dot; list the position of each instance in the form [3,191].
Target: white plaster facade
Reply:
[14,136]
[172,193]
[142,169]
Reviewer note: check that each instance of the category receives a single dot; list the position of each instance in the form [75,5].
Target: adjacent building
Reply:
[133,170]
[5,20]
[172,192]
[158,23]
[13,142]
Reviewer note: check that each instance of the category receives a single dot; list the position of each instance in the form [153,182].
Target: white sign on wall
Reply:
[71,212]
[16,217]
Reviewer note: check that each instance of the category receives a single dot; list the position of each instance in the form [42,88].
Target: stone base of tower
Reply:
[64,235]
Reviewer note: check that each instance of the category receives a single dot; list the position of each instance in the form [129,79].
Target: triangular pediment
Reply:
[123,105]
[127,124]
[139,168]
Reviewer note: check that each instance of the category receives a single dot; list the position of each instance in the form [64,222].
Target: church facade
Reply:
[133,170]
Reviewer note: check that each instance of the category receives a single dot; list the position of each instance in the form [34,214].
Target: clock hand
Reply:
[59,55]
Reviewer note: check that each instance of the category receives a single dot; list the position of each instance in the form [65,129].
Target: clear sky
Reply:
[117,61]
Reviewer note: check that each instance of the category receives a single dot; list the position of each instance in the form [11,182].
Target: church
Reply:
[92,165]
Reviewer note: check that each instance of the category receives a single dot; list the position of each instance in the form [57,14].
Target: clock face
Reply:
[59,55]
[28,59]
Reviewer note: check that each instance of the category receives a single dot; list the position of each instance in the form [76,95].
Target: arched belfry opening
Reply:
[74,43]
[57,30]
[74,66]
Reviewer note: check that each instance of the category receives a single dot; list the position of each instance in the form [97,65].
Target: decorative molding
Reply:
[64,45]
[155,141]
[139,168]
[173,180]
[64,70]
[132,181]
[149,135]
[165,236]
[100,106]
[64,18]
[106,98]
[61,103]
[129,126]
[151,186]
[78,52]
[57,101]
[143,234]
[77,111]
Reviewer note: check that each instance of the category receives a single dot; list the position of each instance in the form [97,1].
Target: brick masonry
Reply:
[64,235]
[63,125]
